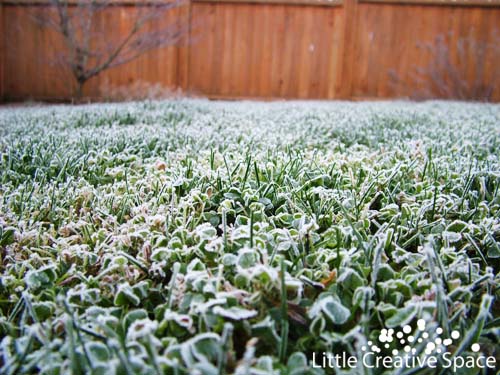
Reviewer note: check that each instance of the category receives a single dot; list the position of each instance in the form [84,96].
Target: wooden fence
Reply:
[306,49]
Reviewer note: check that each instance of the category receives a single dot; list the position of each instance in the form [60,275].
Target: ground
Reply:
[196,237]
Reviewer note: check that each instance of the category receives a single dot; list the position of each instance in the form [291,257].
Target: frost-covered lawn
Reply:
[176,237]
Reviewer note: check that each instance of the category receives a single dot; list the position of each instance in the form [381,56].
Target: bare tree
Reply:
[90,50]
[459,72]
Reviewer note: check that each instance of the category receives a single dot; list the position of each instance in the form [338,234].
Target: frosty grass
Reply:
[201,238]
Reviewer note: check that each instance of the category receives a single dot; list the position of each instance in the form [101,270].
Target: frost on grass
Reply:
[151,237]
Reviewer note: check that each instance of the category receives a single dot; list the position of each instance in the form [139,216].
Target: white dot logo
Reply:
[426,340]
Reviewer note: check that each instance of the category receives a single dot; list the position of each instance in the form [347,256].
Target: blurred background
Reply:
[107,50]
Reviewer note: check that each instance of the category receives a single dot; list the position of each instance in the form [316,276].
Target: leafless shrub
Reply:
[460,73]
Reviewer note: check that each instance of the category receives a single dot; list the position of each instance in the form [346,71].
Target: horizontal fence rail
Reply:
[269,49]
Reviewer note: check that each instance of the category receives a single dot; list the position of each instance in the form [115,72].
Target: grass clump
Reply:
[194,237]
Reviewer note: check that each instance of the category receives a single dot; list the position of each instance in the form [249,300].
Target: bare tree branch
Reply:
[89,50]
